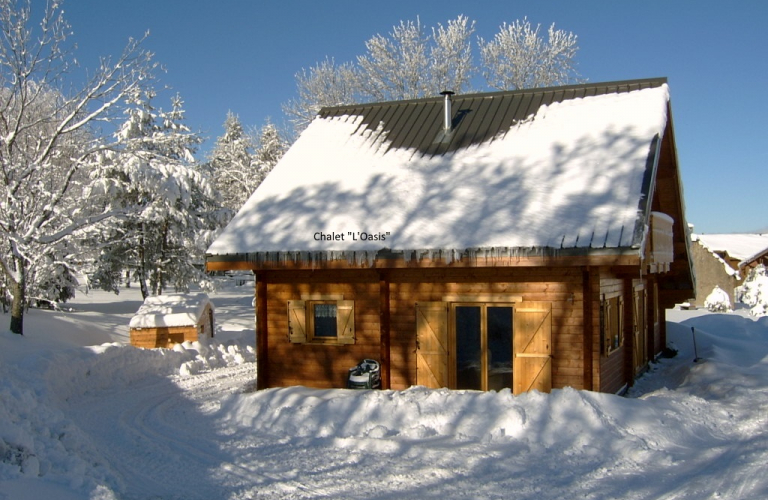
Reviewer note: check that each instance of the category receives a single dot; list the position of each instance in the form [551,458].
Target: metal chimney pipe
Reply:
[447,115]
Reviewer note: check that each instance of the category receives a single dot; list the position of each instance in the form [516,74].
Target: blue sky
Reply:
[243,56]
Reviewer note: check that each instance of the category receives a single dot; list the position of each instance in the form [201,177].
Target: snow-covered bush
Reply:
[754,291]
[718,300]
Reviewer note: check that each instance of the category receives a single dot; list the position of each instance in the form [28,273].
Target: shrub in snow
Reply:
[754,291]
[718,301]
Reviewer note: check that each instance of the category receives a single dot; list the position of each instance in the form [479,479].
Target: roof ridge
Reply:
[650,82]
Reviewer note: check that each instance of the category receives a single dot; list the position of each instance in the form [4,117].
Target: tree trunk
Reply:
[19,299]
[142,266]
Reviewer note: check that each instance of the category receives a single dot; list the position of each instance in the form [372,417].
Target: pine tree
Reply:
[170,206]
[230,164]
[241,161]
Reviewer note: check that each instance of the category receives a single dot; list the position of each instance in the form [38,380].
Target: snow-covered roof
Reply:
[743,247]
[171,310]
[570,175]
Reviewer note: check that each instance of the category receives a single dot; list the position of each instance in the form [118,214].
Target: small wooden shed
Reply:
[165,320]
[513,240]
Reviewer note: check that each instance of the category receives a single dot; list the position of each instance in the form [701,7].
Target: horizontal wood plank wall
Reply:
[317,365]
[563,287]
[163,336]
[327,365]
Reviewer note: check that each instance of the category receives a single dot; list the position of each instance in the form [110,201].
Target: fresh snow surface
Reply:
[569,176]
[114,422]
[170,310]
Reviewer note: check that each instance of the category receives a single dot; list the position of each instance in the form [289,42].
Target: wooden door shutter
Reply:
[432,344]
[532,347]
[297,321]
[345,321]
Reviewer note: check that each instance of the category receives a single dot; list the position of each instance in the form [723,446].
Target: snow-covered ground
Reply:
[115,422]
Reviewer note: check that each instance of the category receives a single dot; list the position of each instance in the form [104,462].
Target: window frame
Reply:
[301,320]
[311,327]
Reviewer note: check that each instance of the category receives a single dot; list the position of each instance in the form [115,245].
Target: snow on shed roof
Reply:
[570,175]
[170,310]
[743,247]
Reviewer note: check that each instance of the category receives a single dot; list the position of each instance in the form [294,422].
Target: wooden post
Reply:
[629,332]
[262,351]
[589,329]
[385,330]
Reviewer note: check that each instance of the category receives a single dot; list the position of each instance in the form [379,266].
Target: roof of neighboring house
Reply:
[743,247]
[558,169]
[171,310]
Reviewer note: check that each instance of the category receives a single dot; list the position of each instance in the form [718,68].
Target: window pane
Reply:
[325,320]
[468,360]
[499,348]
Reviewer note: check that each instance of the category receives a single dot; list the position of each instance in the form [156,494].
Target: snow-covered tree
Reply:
[230,164]
[754,291]
[325,84]
[518,57]
[718,301]
[270,147]
[240,161]
[169,204]
[411,62]
[414,62]
[48,140]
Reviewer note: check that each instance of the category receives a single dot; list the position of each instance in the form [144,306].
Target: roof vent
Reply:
[447,115]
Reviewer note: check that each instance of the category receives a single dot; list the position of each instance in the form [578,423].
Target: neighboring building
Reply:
[724,260]
[165,320]
[525,240]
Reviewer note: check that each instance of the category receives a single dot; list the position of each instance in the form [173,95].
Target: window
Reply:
[612,323]
[321,320]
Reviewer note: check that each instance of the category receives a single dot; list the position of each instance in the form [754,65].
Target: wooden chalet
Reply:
[524,240]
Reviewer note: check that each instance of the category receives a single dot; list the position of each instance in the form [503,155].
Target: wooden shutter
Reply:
[432,344]
[532,347]
[345,321]
[297,321]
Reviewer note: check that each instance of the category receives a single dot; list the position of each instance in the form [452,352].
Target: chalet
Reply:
[724,261]
[524,240]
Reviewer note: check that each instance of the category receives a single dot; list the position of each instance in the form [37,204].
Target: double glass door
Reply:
[482,337]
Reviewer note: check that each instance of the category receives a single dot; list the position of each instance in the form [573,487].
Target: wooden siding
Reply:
[150,338]
[327,365]
[167,336]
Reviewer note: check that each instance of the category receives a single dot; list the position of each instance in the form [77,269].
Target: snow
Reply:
[115,422]
[171,310]
[511,193]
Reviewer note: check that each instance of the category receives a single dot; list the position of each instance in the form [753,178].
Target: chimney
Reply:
[447,115]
